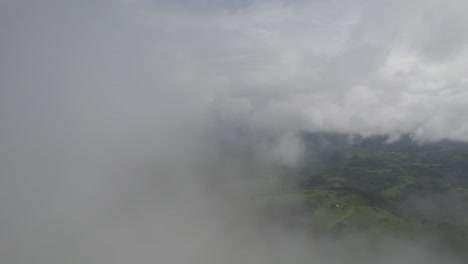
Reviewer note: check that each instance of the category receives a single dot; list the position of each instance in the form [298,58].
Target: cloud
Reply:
[118,117]
[312,56]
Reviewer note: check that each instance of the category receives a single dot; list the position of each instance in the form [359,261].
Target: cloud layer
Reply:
[349,66]
[114,115]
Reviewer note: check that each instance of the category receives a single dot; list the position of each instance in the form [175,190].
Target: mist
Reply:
[135,131]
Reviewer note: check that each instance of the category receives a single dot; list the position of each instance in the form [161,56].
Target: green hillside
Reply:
[354,183]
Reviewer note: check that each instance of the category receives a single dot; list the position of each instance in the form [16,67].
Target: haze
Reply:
[124,124]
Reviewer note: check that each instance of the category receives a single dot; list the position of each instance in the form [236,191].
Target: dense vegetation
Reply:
[403,187]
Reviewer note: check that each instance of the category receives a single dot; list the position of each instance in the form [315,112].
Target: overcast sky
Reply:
[342,65]
[348,66]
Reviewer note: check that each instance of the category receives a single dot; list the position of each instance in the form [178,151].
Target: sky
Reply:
[351,66]
[111,109]
[389,67]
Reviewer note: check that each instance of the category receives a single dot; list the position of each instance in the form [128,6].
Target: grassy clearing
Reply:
[330,209]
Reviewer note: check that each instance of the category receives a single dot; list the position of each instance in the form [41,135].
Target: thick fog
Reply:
[132,131]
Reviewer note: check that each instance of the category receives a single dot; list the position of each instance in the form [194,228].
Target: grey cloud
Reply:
[312,55]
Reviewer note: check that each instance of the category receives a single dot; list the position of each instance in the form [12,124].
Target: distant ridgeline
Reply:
[372,183]
[372,164]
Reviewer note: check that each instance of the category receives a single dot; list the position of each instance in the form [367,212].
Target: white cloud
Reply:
[312,55]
